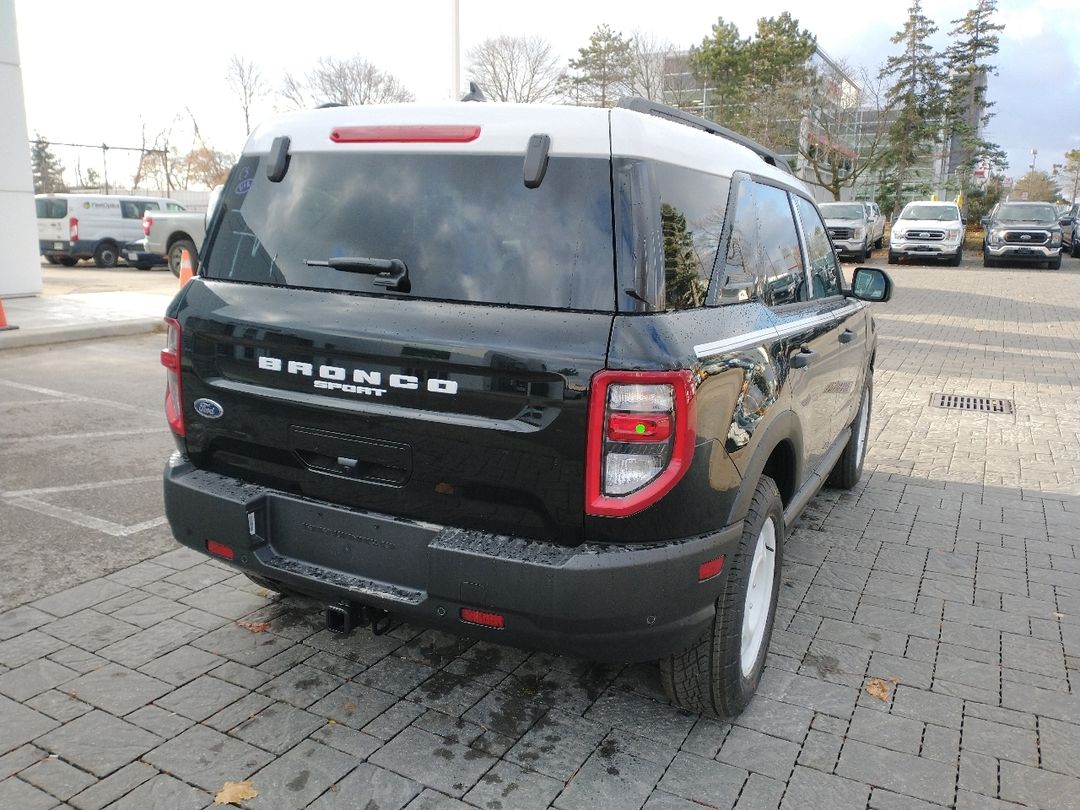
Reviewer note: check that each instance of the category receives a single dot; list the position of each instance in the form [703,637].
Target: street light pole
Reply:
[455,51]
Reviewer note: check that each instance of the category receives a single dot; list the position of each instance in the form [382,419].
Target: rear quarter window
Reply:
[51,209]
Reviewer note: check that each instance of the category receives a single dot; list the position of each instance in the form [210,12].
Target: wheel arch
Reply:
[776,455]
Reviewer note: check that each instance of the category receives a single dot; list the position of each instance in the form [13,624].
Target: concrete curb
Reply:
[44,336]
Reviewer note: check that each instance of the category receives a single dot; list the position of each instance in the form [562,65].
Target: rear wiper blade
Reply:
[389,273]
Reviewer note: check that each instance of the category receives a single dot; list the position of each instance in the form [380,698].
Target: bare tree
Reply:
[651,60]
[845,134]
[246,81]
[522,69]
[350,82]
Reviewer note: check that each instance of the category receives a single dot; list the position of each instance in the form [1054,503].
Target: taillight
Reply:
[641,438]
[73,227]
[147,222]
[170,358]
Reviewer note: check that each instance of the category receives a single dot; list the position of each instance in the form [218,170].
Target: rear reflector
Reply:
[220,549]
[423,133]
[483,618]
[708,570]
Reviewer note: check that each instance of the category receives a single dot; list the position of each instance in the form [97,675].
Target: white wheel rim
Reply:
[863,428]
[759,596]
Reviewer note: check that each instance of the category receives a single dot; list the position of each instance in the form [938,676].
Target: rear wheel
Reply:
[68,261]
[106,255]
[176,252]
[849,466]
[52,260]
[717,676]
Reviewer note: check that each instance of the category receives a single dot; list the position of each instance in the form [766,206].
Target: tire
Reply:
[106,254]
[1075,249]
[988,262]
[68,261]
[710,677]
[893,258]
[52,260]
[879,243]
[176,250]
[863,254]
[955,260]
[1055,264]
[849,466]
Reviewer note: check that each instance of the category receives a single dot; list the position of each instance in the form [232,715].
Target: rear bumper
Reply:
[602,602]
[79,249]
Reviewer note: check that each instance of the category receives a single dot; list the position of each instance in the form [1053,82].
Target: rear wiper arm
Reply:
[389,273]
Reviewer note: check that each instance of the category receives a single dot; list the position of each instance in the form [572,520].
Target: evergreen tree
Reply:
[1036,186]
[1072,173]
[46,166]
[916,96]
[974,43]
[603,70]
[722,63]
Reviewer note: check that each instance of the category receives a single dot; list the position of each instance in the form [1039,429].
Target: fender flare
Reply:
[785,426]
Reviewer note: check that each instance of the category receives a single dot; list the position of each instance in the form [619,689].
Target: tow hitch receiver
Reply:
[342,618]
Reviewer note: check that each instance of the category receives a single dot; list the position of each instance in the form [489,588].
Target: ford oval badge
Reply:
[208,408]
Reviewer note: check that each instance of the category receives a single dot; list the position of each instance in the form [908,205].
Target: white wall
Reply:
[20,264]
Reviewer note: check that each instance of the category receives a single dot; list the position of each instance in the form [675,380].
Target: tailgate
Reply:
[462,414]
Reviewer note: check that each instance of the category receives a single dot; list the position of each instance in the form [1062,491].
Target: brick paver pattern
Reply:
[950,572]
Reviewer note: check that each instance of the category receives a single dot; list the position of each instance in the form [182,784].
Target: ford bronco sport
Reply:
[550,376]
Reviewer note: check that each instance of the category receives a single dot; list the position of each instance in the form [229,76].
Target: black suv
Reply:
[1022,232]
[549,376]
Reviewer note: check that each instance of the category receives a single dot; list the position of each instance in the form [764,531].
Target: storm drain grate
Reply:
[963,402]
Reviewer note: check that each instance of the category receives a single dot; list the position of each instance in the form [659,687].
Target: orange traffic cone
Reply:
[3,318]
[185,267]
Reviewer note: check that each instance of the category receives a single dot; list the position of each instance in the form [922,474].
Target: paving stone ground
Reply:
[951,572]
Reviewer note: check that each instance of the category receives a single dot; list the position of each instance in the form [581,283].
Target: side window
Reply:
[765,245]
[824,271]
[174,207]
[129,209]
[691,218]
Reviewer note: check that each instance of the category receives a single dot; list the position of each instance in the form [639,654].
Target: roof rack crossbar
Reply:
[643,105]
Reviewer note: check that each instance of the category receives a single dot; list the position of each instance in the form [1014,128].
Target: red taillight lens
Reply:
[147,222]
[170,358]
[641,438]
[483,617]
[73,228]
[421,133]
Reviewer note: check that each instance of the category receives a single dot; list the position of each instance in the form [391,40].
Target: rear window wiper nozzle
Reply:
[389,273]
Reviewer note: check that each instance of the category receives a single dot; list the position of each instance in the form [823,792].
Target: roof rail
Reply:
[643,105]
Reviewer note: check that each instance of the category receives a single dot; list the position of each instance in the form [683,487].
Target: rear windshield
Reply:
[465,226]
[842,210]
[942,213]
[51,209]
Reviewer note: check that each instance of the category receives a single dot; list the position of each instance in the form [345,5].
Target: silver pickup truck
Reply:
[169,233]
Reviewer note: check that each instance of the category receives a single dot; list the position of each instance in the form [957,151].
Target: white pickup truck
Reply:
[169,233]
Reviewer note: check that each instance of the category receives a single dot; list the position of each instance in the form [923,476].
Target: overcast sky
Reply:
[97,72]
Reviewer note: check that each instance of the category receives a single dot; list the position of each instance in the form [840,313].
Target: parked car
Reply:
[136,255]
[928,230]
[1022,232]
[850,228]
[170,233]
[877,219]
[471,364]
[1069,220]
[92,226]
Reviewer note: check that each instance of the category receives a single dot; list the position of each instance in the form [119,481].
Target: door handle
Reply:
[803,358]
[847,336]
